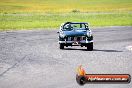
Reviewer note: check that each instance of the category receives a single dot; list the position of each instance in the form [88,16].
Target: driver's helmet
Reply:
[67,26]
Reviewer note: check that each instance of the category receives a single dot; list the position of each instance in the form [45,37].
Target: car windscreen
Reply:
[76,26]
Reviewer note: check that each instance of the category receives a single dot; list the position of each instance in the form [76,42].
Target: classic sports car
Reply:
[75,34]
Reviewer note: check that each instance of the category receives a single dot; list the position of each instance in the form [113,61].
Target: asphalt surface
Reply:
[32,59]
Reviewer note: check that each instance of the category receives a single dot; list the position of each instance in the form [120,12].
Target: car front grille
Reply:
[75,38]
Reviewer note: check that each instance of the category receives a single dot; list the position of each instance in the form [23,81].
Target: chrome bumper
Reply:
[79,42]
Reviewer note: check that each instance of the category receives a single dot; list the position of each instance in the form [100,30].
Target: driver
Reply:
[68,27]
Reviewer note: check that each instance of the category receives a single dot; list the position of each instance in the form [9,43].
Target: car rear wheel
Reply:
[61,46]
[90,46]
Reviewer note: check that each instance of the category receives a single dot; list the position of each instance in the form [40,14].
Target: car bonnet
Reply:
[75,33]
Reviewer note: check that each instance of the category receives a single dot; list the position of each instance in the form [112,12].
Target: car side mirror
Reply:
[87,28]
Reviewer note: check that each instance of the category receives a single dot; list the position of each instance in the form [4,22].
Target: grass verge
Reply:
[44,20]
[34,14]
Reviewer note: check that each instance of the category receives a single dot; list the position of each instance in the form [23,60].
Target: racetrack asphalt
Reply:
[32,59]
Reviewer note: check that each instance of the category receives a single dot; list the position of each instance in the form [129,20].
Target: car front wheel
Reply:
[61,46]
[90,46]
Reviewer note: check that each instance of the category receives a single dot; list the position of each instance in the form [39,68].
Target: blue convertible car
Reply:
[75,34]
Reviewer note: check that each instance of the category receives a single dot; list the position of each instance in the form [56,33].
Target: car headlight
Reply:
[89,33]
[62,34]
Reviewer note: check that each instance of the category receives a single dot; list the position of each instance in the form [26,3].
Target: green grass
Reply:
[65,5]
[28,21]
[34,14]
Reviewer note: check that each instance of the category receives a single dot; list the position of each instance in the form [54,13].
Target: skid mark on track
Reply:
[8,69]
